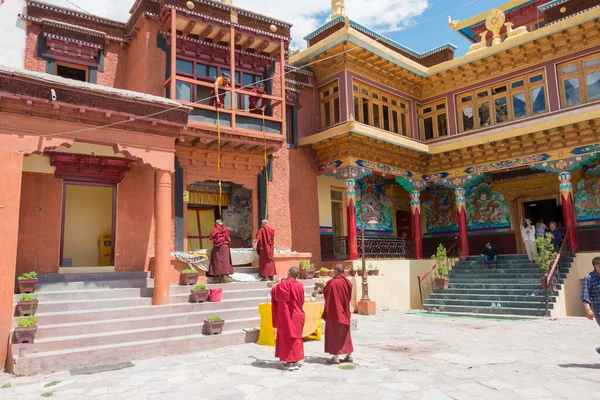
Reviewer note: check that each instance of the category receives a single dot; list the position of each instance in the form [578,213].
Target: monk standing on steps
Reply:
[337,294]
[265,248]
[287,298]
[220,257]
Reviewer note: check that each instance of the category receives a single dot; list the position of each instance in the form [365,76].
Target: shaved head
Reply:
[339,269]
[293,272]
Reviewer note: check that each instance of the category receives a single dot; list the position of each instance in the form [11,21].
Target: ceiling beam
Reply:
[188,28]
[205,32]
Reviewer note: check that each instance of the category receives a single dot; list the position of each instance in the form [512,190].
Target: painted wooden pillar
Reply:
[232,67]
[568,207]
[162,244]
[11,172]
[415,208]
[173,86]
[352,240]
[462,222]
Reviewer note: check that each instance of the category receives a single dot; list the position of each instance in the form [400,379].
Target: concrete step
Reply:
[486,310]
[495,285]
[246,270]
[434,302]
[67,359]
[501,265]
[497,276]
[509,291]
[487,297]
[530,281]
[502,256]
[496,271]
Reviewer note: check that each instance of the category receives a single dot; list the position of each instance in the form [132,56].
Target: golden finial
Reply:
[338,8]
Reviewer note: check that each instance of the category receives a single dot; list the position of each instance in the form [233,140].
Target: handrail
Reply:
[555,265]
[436,264]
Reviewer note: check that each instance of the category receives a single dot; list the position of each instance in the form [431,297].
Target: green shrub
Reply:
[546,253]
[200,286]
[213,319]
[28,297]
[188,271]
[28,275]
[324,269]
[442,261]
[305,264]
[28,321]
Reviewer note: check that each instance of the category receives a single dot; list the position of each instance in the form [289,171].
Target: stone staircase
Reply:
[511,290]
[96,319]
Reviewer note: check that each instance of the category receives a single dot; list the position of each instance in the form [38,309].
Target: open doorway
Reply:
[546,210]
[88,225]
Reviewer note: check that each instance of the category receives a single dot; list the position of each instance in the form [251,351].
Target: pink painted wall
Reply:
[39,231]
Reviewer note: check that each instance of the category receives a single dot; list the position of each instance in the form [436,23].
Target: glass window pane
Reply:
[326,114]
[483,110]
[440,106]
[395,121]
[386,118]
[201,70]
[212,72]
[501,106]
[403,122]
[428,128]
[325,93]
[499,89]
[384,99]
[442,125]
[570,68]
[517,84]
[183,91]
[203,95]
[248,79]
[365,91]
[519,105]
[365,106]
[427,110]
[591,63]
[394,103]
[466,99]
[357,109]
[593,85]
[467,118]
[536,78]
[572,94]
[376,121]
[403,106]
[335,195]
[336,110]
[482,94]
[335,89]
[375,95]
[185,67]
[538,100]
[355,88]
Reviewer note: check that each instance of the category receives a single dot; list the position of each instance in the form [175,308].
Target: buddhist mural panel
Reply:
[587,196]
[371,194]
[238,215]
[440,211]
[486,209]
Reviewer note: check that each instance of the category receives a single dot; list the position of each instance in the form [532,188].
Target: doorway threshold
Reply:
[85,270]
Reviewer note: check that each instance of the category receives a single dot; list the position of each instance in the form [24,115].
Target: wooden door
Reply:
[200,224]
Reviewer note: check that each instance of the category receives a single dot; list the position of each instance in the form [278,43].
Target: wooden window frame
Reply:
[580,73]
[328,101]
[402,108]
[491,98]
[74,66]
[434,113]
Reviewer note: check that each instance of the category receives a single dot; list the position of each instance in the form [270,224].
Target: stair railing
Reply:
[427,283]
[550,280]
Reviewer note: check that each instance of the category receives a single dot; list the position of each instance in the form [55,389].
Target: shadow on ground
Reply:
[585,366]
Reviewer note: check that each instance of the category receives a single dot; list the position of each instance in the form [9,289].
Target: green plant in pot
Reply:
[375,270]
[26,329]
[307,270]
[370,269]
[213,325]
[199,294]
[442,269]
[188,277]
[27,282]
[27,304]
[324,271]
[546,256]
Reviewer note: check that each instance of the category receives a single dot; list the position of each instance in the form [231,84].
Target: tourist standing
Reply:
[220,257]
[265,247]
[557,236]
[590,293]
[287,299]
[489,252]
[337,294]
[540,228]
[528,235]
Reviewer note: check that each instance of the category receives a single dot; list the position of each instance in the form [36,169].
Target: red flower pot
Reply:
[188,279]
[307,273]
[324,273]
[199,296]
[441,283]
[27,285]
[213,327]
[25,334]
[26,308]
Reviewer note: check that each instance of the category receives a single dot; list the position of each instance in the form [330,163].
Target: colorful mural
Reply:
[587,196]
[440,211]
[238,216]
[371,194]
[486,209]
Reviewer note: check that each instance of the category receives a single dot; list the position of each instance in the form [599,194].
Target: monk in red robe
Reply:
[287,298]
[217,95]
[265,248]
[337,294]
[257,103]
[220,257]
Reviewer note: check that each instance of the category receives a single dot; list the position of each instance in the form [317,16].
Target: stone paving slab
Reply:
[399,355]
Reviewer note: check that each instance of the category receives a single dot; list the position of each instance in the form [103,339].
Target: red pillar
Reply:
[415,208]
[162,245]
[462,222]
[352,240]
[568,207]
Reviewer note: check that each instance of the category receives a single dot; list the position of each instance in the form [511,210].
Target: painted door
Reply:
[200,223]
[404,224]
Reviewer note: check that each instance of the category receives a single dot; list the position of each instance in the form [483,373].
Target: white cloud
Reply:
[306,15]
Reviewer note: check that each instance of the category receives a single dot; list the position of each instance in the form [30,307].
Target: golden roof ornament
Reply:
[338,8]
[495,22]
[453,24]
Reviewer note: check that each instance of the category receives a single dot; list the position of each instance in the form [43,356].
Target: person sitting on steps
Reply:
[489,252]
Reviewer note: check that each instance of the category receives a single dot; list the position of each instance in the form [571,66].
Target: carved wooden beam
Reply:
[205,32]
[262,47]
[217,39]
[238,38]
[247,44]
[189,27]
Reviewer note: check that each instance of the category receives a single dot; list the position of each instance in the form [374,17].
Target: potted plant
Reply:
[213,326]
[188,277]
[375,270]
[307,270]
[347,270]
[331,273]
[320,283]
[27,304]
[352,271]
[25,332]
[441,281]
[199,293]
[324,272]
[546,256]
[27,282]
[370,270]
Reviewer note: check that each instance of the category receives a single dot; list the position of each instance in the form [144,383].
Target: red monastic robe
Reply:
[266,250]
[287,300]
[220,257]
[337,294]
[255,108]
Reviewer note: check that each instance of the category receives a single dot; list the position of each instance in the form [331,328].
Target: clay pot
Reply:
[331,273]
[307,273]
[199,296]
[25,334]
[352,273]
[25,308]
[213,327]
[371,272]
[441,283]
[27,285]
[324,273]
[188,279]
[376,272]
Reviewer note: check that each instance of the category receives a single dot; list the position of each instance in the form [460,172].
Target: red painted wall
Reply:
[39,231]
[279,214]
[306,116]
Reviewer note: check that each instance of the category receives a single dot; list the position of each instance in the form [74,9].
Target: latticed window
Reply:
[580,80]
[380,109]
[433,121]
[330,105]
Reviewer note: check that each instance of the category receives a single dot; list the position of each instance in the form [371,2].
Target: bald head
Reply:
[339,269]
[293,272]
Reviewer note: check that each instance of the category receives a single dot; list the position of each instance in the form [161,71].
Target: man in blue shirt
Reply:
[557,236]
[590,293]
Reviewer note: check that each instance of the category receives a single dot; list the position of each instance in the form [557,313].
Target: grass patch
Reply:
[53,383]
[348,367]
[6,386]
[48,394]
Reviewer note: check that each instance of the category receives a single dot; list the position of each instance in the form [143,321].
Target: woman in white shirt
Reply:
[528,235]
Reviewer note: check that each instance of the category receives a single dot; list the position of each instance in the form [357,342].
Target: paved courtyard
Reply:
[398,356]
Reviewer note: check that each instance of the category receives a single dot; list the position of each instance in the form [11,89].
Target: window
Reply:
[511,100]
[330,105]
[433,121]
[380,109]
[72,71]
[580,80]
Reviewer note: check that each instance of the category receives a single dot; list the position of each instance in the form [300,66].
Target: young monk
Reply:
[220,257]
[287,299]
[337,294]
[265,247]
